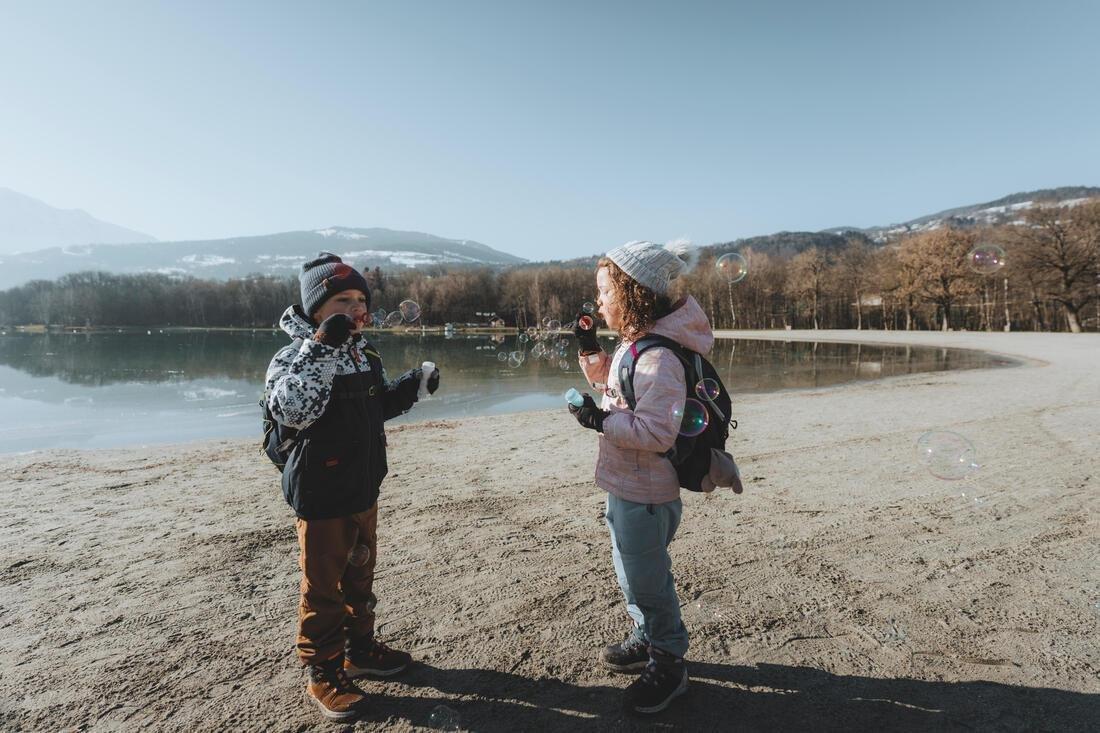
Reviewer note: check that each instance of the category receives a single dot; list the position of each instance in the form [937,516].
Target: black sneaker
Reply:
[631,654]
[374,658]
[658,685]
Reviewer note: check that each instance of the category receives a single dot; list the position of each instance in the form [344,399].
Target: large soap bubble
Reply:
[986,259]
[693,417]
[733,267]
[444,718]
[947,455]
[359,555]
[394,319]
[410,311]
[707,389]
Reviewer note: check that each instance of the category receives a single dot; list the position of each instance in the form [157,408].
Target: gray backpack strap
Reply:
[629,362]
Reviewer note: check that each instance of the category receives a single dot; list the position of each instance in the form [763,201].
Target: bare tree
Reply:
[854,269]
[939,259]
[1058,246]
[808,279]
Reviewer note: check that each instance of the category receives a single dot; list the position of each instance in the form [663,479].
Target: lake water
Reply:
[101,390]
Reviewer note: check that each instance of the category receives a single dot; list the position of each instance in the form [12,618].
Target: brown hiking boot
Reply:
[334,693]
[371,656]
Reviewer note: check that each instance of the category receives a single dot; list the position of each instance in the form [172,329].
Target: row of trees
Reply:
[1051,282]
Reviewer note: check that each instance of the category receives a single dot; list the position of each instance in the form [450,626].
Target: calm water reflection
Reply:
[114,389]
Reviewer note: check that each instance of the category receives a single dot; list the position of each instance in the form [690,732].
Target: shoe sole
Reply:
[335,714]
[355,672]
[665,703]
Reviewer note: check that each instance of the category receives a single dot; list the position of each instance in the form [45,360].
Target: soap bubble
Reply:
[894,633]
[394,319]
[986,259]
[410,311]
[586,323]
[359,555]
[733,267]
[515,359]
[693,417]
[532,332]
[947,455]
[589,307]
[564,365]
[546,322]
[523,338]
[538,350]
[707,389]
[502,356]
[553,325]
[443,718]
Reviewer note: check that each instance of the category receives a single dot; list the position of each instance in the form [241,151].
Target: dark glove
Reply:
[588,415]
[586,337]
[335,329]
[407,385]
[433,381]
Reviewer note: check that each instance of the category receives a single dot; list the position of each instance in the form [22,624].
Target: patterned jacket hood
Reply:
[296,325]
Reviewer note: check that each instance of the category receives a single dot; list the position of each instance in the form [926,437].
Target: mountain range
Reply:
[27,224]
[281,254]
[270,254]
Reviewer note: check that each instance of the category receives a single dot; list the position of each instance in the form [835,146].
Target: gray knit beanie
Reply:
[324,277]
[655,265]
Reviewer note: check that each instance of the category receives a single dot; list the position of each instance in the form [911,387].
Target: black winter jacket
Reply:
[338,399]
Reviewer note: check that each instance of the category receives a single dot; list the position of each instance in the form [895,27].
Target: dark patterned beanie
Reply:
[324,277]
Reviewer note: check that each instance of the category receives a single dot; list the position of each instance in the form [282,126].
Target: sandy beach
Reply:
[846,589]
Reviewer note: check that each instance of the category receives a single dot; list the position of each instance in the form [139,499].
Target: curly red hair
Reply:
[641,307]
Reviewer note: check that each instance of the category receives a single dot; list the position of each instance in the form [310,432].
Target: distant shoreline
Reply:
[890,337]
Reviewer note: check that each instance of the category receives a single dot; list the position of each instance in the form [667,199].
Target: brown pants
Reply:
[336,601]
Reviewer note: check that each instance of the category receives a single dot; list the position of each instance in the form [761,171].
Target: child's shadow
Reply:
[767,697]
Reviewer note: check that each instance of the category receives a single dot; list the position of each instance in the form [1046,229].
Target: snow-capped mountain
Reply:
[27,224]
[271,254]
[1006,210]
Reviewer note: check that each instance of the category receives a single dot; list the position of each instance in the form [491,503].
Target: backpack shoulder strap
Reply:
[629,362]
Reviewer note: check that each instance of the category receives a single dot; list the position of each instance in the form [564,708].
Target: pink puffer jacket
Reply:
[630,464]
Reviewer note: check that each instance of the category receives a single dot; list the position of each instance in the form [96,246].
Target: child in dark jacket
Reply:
[329,385]
[643,491]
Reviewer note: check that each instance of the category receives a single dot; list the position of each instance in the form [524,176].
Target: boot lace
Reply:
[338,678]
[379,649]
[651,675]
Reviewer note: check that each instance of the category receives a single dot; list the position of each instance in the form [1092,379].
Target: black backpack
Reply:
[279,439]
[690,455]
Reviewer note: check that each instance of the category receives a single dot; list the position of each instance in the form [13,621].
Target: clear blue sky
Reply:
[551,129]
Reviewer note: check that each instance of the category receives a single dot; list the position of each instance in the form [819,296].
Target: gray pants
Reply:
[640,536]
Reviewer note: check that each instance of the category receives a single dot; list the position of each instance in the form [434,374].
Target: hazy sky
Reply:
[551,129]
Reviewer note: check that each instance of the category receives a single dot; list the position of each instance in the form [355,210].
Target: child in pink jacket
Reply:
[643,492]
